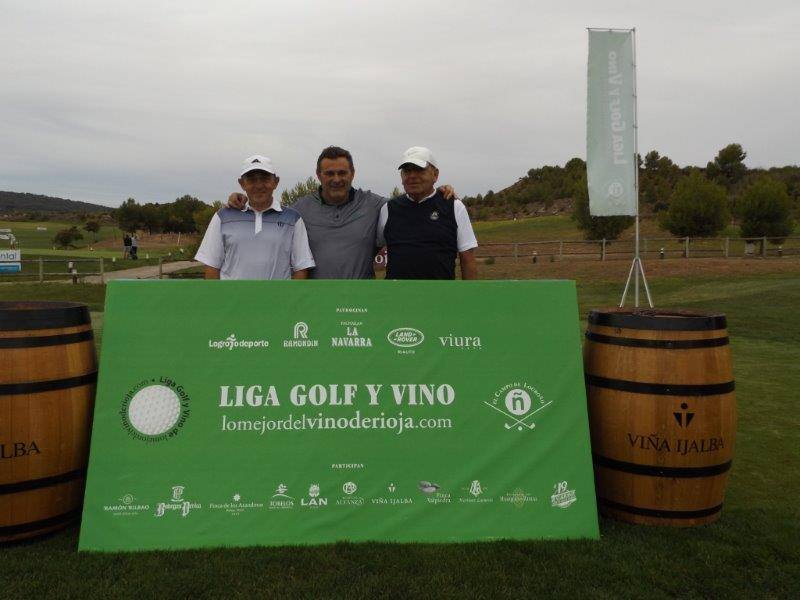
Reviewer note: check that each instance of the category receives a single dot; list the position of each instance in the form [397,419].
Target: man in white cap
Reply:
[263,241]
[422,231]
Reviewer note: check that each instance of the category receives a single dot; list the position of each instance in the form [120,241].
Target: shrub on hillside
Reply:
[728,166]
[92,227]
[765,210]
[698,208]
[66,238]
[596,228]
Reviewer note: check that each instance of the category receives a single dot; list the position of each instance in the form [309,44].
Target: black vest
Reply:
[421,238]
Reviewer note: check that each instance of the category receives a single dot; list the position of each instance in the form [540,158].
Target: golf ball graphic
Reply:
[154,410]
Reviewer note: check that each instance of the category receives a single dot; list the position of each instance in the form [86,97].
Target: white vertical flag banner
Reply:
[610,124]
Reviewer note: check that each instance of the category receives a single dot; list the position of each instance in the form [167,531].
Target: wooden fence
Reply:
[727,247]
[49,269]
[43,269]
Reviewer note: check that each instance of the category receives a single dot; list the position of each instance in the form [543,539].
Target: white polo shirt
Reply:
[212,249]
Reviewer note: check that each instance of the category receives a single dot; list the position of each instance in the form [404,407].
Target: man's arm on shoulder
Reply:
[447,192]
[237,200]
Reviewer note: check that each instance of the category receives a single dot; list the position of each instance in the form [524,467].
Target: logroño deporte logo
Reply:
[232,343]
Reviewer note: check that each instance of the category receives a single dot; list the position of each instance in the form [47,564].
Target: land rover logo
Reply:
[405,337]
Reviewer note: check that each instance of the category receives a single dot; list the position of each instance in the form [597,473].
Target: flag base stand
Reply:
[637,268]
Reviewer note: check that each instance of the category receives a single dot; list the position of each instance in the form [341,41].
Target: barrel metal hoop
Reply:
[35,484]
[47,340]
[658,470]
[41,524]
[660,344]
[44,318]
[35,387]
[660,389]
[661,514]
[645,320]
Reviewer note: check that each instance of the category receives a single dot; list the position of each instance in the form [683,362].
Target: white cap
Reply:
[417,155]
[257,163]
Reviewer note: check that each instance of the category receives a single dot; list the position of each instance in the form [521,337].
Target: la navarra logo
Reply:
[155,410]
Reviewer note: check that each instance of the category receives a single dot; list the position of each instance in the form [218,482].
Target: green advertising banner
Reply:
[242,413]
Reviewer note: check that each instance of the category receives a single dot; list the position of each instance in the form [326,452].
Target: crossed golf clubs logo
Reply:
[517,404]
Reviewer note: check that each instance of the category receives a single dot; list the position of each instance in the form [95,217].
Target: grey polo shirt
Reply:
[342,238]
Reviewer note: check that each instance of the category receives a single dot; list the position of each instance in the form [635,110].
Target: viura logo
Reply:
[462,342]
[405,337]
[231,343]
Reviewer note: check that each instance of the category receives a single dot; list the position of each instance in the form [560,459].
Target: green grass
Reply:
[28,238]
[528,229]
[104,253]
[35,244]
[752,551]
[92,295]
[562,227]
[54,267]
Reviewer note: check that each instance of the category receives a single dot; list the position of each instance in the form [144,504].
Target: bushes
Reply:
[67,237]
[765,210]
[698,208]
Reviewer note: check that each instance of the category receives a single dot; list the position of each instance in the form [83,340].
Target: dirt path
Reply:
[147,272]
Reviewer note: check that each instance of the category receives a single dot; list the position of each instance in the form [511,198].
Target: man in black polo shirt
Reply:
[421,230]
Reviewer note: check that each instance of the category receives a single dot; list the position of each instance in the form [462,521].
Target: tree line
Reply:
[172,217]
[687,201]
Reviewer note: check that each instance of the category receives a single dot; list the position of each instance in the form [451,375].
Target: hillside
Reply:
[553,190]
[21,202]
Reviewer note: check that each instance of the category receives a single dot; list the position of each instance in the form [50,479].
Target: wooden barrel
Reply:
[662,414]
[48,373]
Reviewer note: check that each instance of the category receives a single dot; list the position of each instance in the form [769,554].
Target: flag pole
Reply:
[637,267]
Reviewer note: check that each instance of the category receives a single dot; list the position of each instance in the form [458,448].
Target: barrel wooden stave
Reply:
[46,363]
[46,399]
[685,366]
[698,501]
[636,435]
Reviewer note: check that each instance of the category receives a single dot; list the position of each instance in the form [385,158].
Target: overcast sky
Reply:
[101,101]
